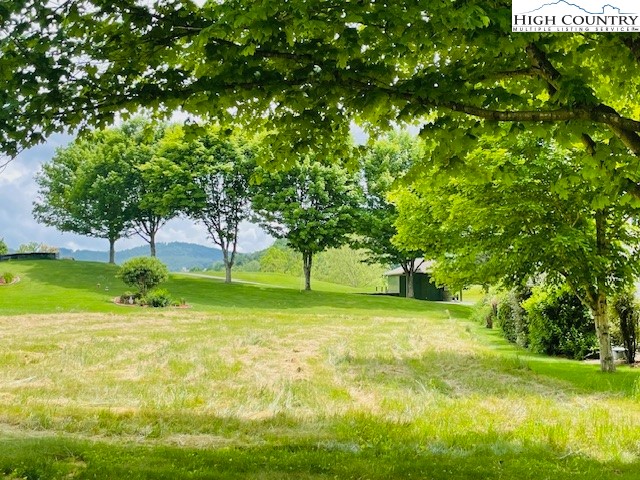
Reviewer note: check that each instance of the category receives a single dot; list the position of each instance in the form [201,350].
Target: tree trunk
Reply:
[112,250]
[604,335]
[307,259]
[152,243]
[600,307]
[227,264]
[227,272]
[410,283]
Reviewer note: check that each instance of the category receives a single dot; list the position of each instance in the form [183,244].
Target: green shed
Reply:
[423,287]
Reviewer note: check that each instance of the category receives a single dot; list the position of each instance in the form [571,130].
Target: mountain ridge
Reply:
[176,255]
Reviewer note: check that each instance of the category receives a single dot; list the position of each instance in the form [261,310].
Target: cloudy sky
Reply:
[18,190]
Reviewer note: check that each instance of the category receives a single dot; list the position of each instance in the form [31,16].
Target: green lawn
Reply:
[255,382]
[69,286]
[287,281]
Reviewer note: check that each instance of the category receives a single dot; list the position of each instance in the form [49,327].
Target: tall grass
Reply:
[212,380]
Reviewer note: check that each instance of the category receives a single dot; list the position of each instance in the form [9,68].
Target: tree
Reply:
[626,310]
[280,258]
[347,266]
[210,183]
[84,189]
[148,209]
[537,210]
[311,68]
[3,247]
[144,273]
[313,205]
[30,247]
[99,186]
[384,164]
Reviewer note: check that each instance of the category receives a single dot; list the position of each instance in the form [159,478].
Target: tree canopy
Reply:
[207,178]
[310,67]
[99,186]
[313,205]
[85,189]
[538,209]
[148,209]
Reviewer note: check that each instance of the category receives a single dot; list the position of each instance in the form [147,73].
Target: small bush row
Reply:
[552,320]
[559,323]
[512,318]
[545,319]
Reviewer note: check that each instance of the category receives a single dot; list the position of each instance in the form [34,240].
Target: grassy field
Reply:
[273,383]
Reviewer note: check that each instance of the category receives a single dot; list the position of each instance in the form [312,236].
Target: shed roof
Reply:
[424,267]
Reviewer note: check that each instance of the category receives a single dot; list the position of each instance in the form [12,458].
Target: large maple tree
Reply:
[308,66]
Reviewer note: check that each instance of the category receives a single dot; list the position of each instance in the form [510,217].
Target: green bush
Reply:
[559,324]
[8,277]
[143,273]
[157,298]
[626,316]
[512,318]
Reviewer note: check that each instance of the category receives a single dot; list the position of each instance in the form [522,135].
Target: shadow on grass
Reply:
[473,456]
[583,376]
[502,369]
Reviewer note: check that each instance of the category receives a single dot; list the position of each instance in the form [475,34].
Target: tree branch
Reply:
[543,67]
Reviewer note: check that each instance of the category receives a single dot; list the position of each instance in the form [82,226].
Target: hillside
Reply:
[176,255]
[50,286]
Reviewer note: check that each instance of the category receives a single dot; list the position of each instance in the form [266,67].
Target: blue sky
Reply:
[18,190]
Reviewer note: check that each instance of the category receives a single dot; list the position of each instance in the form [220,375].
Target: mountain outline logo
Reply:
[571,4]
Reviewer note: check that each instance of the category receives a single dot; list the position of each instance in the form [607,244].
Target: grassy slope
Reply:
[287,281]
[258,382]
[68,286]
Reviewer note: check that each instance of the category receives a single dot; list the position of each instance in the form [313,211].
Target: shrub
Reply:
[485,311]
[143,273]
[626,316]
[512,318]
[157,298]
[559,324]
[8,277]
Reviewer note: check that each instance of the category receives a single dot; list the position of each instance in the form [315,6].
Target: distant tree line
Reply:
[344,265]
